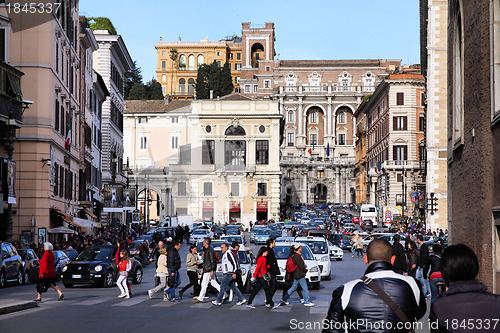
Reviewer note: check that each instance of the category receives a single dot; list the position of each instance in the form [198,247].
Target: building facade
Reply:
[434,21]
[394,131]
[111,61]
[178,62]
[474,132]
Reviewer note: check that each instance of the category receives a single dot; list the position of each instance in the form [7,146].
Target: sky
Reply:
[305,29]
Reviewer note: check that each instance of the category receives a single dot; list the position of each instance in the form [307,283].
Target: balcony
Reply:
[315,142]
[399,165]
[317,161]
[11,96]
[334,89]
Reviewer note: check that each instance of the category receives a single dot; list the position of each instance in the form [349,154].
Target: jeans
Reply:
[204,284]
[288,284]
[163,283]
[122,284]
[171,290]
[193,281]
[435,289]
[261,283]
[303,283]
[423,280]
[226,284]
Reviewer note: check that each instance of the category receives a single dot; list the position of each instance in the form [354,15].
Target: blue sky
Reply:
[305,29]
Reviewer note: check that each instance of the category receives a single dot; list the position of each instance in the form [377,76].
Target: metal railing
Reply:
[301,160]
[329,89]
[396,164]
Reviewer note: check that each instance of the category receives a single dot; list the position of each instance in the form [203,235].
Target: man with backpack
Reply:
[299,274]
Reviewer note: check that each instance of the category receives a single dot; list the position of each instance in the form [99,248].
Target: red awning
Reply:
[234,207]
[262,206]
[208,206]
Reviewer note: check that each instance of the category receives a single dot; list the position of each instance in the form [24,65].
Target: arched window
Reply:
[291,116]
[341,117]
[191,86]
[201,60]
[182,61]
[191,62]
[182,85]
[313,117]
[231,130]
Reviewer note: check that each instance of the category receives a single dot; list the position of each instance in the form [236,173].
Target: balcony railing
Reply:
[301,160]
[315,142]
[391,164]
[325,89]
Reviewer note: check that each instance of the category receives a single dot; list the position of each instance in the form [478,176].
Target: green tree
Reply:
[174,54]
[202,82]
[132,76]
[101,23]
[138,91]
[153,89]
[214,79]
[226,80]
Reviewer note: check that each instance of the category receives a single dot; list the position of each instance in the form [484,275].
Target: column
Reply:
[329,117]
[305,189]
[300,116]
[337,184]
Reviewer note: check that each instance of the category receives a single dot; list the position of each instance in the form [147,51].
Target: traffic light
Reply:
[432,204]
[352,190]
[158,204]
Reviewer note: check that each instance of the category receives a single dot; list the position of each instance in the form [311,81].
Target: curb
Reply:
[18,307]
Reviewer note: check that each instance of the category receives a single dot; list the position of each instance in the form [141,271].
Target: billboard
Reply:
[113,196]
[129,197]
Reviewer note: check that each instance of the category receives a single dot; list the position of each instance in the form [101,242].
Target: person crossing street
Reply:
[209,267]
[173,264]
[229,266]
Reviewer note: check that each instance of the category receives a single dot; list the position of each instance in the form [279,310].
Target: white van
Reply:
[369,212]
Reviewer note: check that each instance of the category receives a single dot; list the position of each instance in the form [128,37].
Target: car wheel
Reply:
[3,279]
[26,277]
[138,276]
[109,279]
[20,276]
[329,277]
[339,259]
[68,285]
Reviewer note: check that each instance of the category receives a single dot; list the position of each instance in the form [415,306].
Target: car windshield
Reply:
[263,232]
[317,247]
[94,254]
[199,232]
[283,251]
[230,239]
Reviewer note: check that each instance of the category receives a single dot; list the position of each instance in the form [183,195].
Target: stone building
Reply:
[474,132]
[434,25]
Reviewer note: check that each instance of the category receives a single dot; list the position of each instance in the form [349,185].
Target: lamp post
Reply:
[9,145]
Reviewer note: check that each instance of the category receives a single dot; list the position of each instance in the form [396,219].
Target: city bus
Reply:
[369,212]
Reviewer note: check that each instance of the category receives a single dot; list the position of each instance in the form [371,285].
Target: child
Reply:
[122,278]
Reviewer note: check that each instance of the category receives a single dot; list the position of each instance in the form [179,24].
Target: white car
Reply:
[335,252]
[320,249]
[229,239]
[247,265]
[198,235]
[282,251]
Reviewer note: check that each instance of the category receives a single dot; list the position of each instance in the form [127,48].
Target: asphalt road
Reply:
[89,309]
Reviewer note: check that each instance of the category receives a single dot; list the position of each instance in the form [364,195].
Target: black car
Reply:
[11,265]
[367,225]
[61,260]
[97,265]
[31,265]
[341,240]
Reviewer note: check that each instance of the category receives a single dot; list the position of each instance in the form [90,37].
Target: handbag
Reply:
[267,277]
[41,286]
[170,281]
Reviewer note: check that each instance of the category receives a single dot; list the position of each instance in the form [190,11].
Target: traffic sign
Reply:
[388,220]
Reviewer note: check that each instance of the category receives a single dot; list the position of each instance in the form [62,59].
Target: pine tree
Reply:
[153,89]
[132,76]
[202,82]
[214,79]
[138,91]
[226,80]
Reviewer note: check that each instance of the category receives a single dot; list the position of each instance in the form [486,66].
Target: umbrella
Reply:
[62,230]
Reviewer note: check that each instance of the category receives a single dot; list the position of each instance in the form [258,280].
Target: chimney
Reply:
[211,94]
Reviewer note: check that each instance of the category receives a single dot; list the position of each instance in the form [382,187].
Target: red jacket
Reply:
[261,267]
[47,265]
[122,265]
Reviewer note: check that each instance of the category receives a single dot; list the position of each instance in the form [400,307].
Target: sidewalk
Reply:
[12,305]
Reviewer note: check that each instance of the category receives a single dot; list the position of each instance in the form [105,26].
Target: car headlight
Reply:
[325,258]
[65,268]
[98,268]
[243,270]
[314,270]
[282,270]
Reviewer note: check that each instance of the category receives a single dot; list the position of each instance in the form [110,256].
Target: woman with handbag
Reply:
[123,267]
[47,274]
[161,272]
[261,278]
[192,272]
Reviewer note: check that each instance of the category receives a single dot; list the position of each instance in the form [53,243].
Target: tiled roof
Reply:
[331,63]
[235,97]
[154,106]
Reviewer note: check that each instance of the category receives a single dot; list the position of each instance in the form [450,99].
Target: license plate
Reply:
[76,276]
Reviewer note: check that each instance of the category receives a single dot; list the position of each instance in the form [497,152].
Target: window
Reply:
[400,123]
[182,61]
[341,140]
[400,153]
[262,189]
[208,150]
[237,80]
[495,58]
[174,143]
[207,188]
[247,88]
[457,83]
[313,118]
[237,67]
[268,68]
[255,88]
[230,56]
[191,65]
[144,143]
[400,98]
[61,181]
[57,116]
[181,188]
[143,120]
[218,53]
[191,86]
[163,53]
[56,179]
[267,84]
[218,64]
[163,78]
[290,138]
[201,60]
[238,56]
[175,120]
[320,174]
[341,117]
[234,154]
[313,139]
[262,152]
[163,65]
[61,128]
[262,129]
[421,125]
[235,189]
[291,116]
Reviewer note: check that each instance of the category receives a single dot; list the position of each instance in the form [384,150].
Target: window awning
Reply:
[89,213]
[67,218]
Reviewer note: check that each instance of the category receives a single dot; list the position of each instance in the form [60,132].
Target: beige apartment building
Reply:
[219,159]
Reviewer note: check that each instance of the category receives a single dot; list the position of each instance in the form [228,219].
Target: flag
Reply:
[310,151]
[328,150]
[68,136]
[376,165]
[379,165]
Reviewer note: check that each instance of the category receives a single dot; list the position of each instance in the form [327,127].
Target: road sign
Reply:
[388,220]
[378,208]
[388,213]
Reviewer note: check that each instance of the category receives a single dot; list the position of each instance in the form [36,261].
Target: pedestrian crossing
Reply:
[321,303]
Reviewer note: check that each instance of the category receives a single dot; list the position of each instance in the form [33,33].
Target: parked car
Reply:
[443,240]
[97,265]
[11,265]
[254,229]
[149,238]
[282,251]
[134,250]
[31,265]
[231,238]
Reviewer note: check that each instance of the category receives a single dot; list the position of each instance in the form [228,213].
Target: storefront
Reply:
[208,210]
[262,211]
[234,211]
